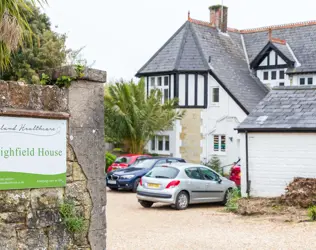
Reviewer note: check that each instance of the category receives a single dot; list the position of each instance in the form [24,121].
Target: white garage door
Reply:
[276,158]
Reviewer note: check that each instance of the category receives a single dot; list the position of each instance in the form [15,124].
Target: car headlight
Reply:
[127,176]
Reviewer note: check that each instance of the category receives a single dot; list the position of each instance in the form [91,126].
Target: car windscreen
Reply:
[163,173]
[145,163]
[122,159]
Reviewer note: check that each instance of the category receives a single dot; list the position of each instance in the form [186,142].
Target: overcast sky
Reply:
[121,35]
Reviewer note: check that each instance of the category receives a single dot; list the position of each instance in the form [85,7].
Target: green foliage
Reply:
[215,164]
[14,26]
[64,81]
[72,221]
[232,200]
[79,70]
[45,50]
[44,79]
[109,159]
[132,119]
[312,213]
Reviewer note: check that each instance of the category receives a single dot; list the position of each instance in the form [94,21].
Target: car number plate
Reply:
[153,185]
[111,182]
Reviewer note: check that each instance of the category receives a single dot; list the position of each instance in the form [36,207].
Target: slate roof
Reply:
[190,49]
[284,109]
[301,39]
[284,49]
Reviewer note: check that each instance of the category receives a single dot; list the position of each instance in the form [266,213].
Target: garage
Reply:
[278,141]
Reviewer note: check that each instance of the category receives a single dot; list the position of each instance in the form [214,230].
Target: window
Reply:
[160,143]
[122,160]
[159,81]
[165,95]
[209,175]
[160,163]
[281,84]
[273,75]
[163,173]
[281,76]
[167,143]
[152,81]
[310,81]
[193,173]
[302,81]
[219,143]
[215,95]
[266,75]
[166,81]
[153,143]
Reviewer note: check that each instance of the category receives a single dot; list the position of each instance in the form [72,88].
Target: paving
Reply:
[131,226]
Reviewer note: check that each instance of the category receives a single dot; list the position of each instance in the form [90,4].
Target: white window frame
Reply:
[219,151]
[162,88]
[156,146]
[306,77]
[212,96]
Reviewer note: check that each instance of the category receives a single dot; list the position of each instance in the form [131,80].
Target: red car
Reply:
[235,174]
[124,161]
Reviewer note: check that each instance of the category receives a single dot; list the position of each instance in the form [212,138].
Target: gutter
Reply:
[247,167]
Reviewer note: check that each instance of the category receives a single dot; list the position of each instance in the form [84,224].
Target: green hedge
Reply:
[109,159]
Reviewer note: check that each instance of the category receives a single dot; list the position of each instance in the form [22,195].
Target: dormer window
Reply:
[302,81]
[273,75]
[281,74]
[266,75]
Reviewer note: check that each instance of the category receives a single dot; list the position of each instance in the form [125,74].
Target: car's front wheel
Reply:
[146,204]
[182,201]
[135,185]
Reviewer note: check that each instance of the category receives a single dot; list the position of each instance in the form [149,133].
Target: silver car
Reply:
[181,184]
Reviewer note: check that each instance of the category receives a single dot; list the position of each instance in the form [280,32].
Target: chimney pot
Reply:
[219,19]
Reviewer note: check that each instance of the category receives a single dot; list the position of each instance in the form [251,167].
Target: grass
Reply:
[311,212]
[72,221]
[232,200]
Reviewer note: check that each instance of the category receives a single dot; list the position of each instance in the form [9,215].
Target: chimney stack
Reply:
[219,19]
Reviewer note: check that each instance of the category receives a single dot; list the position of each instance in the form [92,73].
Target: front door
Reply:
[215,189]
[196,185]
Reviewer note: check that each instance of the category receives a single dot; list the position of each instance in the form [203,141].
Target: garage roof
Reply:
[284,109]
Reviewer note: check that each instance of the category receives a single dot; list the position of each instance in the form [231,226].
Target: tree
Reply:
[14,27]
[45,50]
[132,118]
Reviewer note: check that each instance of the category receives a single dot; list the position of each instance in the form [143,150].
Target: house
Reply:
[278,141]
[219,75]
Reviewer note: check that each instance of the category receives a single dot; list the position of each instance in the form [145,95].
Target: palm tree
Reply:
[133,119]
[13,26]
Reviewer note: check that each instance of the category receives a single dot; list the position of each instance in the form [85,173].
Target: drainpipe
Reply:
[247,167]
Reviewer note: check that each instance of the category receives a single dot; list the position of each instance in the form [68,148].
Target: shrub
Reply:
[312,213]
[109,159]
[232,200]
[215,164]
[72,221]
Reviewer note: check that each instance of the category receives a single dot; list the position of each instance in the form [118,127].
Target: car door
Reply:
[215,190]
[196,185]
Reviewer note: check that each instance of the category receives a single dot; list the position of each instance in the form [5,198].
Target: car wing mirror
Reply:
[219,180]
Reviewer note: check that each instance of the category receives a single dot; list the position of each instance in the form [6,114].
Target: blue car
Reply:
[129,178]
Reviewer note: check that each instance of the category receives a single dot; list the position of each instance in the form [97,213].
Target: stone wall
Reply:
[190,136]
[30,218]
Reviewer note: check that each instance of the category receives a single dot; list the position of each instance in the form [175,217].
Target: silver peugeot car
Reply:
[181,184]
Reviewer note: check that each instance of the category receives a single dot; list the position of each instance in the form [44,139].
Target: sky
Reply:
[121,35]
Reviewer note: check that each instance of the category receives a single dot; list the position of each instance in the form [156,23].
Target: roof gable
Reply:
[300,38]
[284,109]
[179,53]
[280,49]
[229,66]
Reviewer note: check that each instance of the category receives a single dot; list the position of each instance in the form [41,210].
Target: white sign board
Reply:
[32,152]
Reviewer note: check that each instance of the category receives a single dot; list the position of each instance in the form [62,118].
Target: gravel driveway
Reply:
[131,226]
